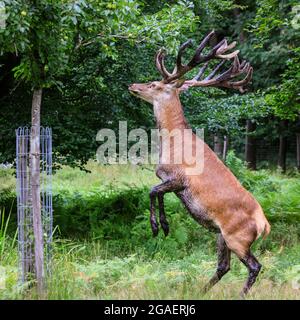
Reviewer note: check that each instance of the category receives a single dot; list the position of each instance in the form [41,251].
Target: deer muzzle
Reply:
[134,88]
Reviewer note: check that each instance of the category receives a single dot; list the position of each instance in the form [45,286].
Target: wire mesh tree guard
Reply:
[26,241]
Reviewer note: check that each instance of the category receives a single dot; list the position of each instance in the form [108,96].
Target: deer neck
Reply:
[169,114]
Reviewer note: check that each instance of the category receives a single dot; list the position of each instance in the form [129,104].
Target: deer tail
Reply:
[267,230]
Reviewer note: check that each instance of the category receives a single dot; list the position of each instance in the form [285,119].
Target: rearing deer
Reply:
[214,197]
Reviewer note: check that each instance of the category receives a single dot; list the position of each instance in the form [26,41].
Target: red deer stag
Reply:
[214,197]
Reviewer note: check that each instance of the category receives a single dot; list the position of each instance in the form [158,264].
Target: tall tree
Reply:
[274,33]
[98,41]
[36,31]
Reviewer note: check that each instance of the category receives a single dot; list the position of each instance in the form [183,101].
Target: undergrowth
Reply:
[104,248]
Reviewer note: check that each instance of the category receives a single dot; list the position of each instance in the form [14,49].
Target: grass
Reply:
[92,271]
[103,177]
[125,262]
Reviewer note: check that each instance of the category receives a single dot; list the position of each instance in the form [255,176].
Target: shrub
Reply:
[252,180]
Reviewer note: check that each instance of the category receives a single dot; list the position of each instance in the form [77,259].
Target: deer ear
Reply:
[178,83]
[186,85]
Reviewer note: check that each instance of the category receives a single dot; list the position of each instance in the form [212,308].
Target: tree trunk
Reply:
[282,145]
[225,147]
[298,151]
[250,147]
[35,188]
[236,13]
[218,148]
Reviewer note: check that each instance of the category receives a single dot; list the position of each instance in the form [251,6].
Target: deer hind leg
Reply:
[224,254]
[158,192]
[253,267]
[240,243]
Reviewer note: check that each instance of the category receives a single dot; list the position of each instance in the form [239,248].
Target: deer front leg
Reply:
[158,192]
[162,216]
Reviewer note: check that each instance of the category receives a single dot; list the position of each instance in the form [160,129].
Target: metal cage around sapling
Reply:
[24,200]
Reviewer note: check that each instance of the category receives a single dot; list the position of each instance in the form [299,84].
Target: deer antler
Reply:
[223,79]
[219,51]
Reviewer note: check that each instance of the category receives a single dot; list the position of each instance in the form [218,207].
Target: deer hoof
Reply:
[165,228]
[154,229]
[243,295]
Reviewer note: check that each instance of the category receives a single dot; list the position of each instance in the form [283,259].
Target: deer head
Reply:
[174,83]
